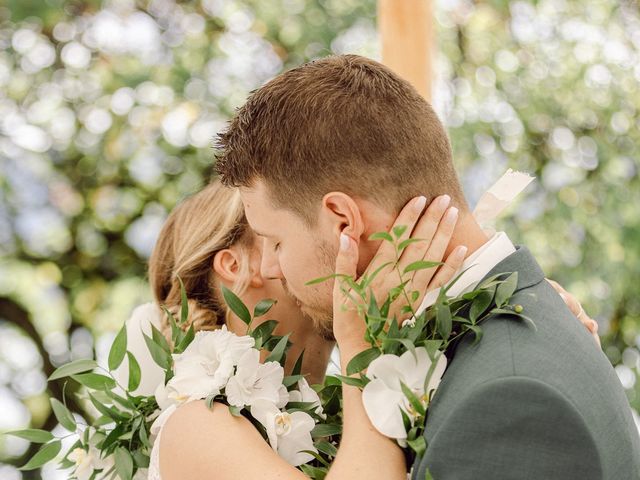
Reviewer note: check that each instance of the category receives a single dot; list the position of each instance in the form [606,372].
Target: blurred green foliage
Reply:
[108,111]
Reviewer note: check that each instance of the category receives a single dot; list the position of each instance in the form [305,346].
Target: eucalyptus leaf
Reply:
[134,372]
[505,290]
[77,366]
[63,415]
[33,435]
[95,381]
[381,236]
[118,349]
[362,360]
[124,463]
[46,453]
[236,305]
[263,306]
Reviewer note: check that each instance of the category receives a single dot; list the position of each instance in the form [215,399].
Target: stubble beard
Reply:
[320,313]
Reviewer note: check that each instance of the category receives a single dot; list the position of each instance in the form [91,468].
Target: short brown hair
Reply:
[343,123]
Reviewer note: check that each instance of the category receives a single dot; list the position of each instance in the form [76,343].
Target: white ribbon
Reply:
[500,196]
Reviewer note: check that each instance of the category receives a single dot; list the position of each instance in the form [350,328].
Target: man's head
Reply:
[338,143]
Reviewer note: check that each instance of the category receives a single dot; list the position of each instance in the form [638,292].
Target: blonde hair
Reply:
[203,224]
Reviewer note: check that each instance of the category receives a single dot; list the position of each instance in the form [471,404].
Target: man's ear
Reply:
[345,214]
[226,264]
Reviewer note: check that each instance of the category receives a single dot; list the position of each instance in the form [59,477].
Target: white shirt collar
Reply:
[479,264]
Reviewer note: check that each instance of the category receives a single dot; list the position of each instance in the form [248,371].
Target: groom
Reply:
[341,144]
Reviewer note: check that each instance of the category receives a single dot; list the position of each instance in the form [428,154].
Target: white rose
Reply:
[289,433]
[383,397]
[307,394]
[254,380]
[204,368]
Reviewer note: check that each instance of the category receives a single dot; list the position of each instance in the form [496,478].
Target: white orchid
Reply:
[88,461]
[205,366]
[383,397]
[254,380]
[307,394]
[289,433]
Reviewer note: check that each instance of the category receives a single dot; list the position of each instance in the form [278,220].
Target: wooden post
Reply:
[406,30]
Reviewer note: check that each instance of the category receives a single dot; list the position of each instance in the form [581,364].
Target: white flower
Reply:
[289,433]
[383,397]
[204,368]
[409,322]
[306,394]
[254,380]
[89,461]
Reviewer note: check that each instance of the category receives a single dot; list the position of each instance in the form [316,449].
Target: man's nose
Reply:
[269,266]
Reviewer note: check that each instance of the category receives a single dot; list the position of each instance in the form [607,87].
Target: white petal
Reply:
[414,369]
[386,368]
[292,445]
[265,412]
[438,372]
[382,405]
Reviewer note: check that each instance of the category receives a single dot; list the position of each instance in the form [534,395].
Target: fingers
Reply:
[430,227]
[408,217]
[577,310]
[346,263]
[446,272]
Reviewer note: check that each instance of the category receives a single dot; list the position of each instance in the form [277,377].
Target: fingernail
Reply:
[444,201]
[344,242]
[564,297]
[452,214]
[420,203]
[461,252]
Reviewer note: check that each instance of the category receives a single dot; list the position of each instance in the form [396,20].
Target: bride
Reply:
[206,241]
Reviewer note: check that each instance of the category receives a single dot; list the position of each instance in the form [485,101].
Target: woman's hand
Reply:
[434,227]
[576,308]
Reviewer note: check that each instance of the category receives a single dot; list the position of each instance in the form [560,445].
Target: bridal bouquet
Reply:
[218,366]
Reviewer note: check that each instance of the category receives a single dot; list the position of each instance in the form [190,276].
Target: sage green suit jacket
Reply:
[530,403]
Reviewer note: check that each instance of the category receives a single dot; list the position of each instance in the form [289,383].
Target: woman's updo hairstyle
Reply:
[203,224]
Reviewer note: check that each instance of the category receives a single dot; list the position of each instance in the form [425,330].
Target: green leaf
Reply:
[134,372]
[278,351]
[480,305]
[33,435]
[291,380]
[443,318]
[362,360]
[184,303]
[124,463]
[263,306]
[297,368]
[323,279]
[235,411]
[381,236]
[158,354]
[421,265]
[186,340]
[63,415]
[160,339]
[264,330]
[399,230]
[326,448]
[505,290]
[418,445]
[104,410]
[46,453]
[405,243]
[77,366]
[413,399]
[95,381]
[118,349]
[477,331]
[353,381]
[326,430]
[236,305]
